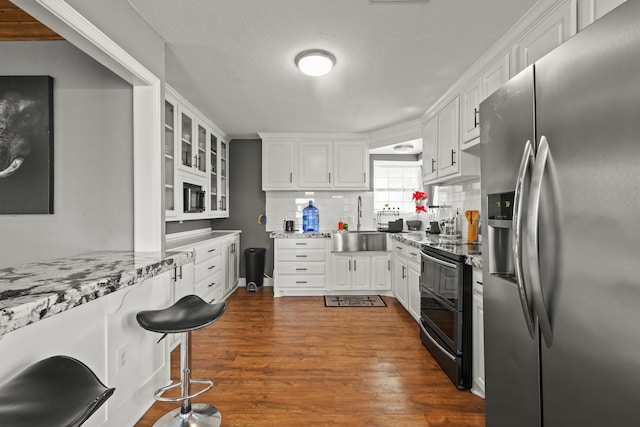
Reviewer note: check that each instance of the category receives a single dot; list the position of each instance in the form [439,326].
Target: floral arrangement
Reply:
[419,197]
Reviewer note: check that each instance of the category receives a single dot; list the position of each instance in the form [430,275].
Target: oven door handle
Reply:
[434,342]
[439,261]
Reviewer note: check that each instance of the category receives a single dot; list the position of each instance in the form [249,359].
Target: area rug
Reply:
[354,301]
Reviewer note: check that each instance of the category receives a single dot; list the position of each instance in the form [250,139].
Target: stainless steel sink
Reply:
[357,241]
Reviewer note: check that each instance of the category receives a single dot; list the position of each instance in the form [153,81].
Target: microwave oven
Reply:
[193,198]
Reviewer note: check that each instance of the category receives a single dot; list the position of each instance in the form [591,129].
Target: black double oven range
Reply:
[445,311]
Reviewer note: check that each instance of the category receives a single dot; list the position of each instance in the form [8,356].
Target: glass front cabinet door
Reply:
[196,153]
[169,163]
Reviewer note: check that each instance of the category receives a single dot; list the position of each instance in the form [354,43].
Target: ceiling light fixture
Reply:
[403,148]
[315,62]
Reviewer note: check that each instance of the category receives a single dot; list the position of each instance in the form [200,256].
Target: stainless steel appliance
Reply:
[193,197]
[445,313]
[560,147]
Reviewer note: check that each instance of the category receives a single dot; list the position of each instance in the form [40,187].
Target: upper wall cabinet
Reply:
[442,160]
[278,163]
[549,33]
[314,162]
[494,76]
[196,154]
[591,10]
[351,163]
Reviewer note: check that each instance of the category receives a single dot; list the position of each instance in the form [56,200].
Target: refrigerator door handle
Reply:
[516,231]
[543,159]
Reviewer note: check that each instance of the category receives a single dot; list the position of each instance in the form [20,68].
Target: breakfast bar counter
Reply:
[35,291]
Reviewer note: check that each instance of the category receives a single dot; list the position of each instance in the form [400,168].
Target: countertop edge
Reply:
[54,302]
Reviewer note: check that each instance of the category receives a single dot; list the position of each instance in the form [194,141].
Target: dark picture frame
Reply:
[26,145]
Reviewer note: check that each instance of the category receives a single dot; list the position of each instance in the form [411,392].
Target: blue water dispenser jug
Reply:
[310,218]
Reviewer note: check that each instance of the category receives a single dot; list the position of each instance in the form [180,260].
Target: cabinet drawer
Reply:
[207,267]
[399,248]
[301,243]
[301,255]
[207,250]
[301,281]
[301,268]
[208,285]
[412,254]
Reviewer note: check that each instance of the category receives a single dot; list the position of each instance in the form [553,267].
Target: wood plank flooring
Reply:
[291,361]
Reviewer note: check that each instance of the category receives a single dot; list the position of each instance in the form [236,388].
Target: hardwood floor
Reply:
[292,362]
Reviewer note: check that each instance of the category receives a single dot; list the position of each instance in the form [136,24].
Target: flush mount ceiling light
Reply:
[315,62]
[403,148]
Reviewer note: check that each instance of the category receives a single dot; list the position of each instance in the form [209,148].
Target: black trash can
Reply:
[254,268]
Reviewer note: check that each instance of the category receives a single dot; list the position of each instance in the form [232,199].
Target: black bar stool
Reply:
[187,314]
[57,391]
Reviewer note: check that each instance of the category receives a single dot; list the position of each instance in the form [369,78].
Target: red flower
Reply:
[419,195]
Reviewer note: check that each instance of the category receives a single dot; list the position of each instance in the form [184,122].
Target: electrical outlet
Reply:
[121,358]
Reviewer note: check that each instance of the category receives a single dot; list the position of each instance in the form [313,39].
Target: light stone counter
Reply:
[36,291]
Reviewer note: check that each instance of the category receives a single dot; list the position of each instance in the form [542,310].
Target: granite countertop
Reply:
[35,291]
[198,238]
[300,235]
[471,251]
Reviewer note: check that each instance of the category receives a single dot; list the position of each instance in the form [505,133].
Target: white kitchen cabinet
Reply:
[553,30]
[406,277]
[469,121]
[315,161]
[231,260]
[278,164]
[381,272]
[443,160]
[477,368]
[590,11]
[170,193]
[413,289]
[350,165]
[430,149]
[301,266]
[214,273]
[400,274]
[494,76]
[448,162]
[196,152]
[361,271]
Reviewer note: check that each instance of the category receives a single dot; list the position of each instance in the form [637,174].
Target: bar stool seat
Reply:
[188,314]
[184,316]
[57,391]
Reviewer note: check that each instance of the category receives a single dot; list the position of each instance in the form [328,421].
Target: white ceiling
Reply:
[233,59]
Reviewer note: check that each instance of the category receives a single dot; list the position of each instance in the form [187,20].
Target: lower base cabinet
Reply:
[301,266]
[406,277]
[360,272]
[477,368]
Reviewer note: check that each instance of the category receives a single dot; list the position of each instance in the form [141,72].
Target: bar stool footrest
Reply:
[157,395]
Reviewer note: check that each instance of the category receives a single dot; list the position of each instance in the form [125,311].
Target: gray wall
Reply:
[93,165]
[247,200]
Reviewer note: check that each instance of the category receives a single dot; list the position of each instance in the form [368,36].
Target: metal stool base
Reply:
[201,415]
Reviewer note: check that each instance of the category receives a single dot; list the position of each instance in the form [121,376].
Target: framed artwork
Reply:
[26,145]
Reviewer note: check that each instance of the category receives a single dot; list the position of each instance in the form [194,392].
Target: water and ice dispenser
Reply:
[499,233]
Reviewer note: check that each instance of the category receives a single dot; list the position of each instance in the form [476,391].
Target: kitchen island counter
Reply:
[40,290]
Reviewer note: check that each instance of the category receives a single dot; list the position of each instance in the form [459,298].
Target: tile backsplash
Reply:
[333,206]
[462,196]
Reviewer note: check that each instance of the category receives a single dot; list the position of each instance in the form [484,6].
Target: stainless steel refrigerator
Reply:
[560,147]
